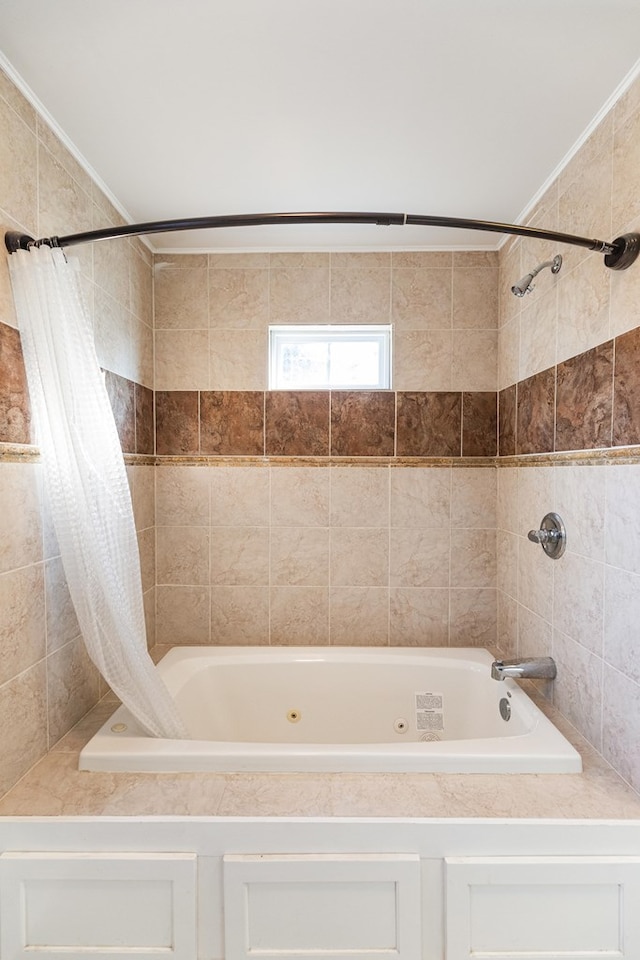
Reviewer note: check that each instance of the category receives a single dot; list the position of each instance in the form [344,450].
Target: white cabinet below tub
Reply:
[337,906]
[116,905]
[542,908]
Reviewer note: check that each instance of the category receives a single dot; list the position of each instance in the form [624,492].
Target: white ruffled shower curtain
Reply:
[87,482]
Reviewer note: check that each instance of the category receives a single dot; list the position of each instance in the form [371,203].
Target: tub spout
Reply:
[526,668]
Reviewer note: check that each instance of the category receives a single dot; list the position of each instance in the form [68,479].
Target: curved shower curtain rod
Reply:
[619,253]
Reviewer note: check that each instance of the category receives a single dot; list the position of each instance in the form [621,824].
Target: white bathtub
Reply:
[347,709]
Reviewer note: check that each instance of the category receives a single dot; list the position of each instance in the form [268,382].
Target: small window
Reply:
[330,357]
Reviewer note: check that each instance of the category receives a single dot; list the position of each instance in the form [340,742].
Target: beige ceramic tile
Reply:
[293,795]
[359,557]
[473,497]
[422,260]
[473,615]
[621,635]
[583,308]
[507,500]
[508,609]
[538,332]
[580,501]
[386,795]
[299,556]
[300,496]
[535,579]
[578,586]
[239,298]
[239,261]
[112,333]
[509,272]
[577,690]
[18,163]
[474,360]
[622,543]
[625,295]
[360,295]
[507,563]
[182,495]
[143,496]
[239,615]
[72,687]
[359,616]
[534,634]
[475,297]
[584,207]
[299,294]
[419,617]
[142,356]
[147,552]
[421,497]
[183,615]
[240,496]
[536,497]
[22,620]
[182,360]
[238,359]
[626,159]
[181,298]
[84,730]
[299,615]
[421,299]
[418,558]
[422,360]
[111,270]
[473,558]
[509,353]
[142,289]
[23,706]
[61,620]
[240,556]
[621,721]
[18,102]
[359,496]
[64,205]
[183,555]
[21,543]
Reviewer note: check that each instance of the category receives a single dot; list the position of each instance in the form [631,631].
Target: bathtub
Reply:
[290,709]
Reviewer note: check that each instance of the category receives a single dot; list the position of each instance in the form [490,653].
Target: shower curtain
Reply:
[87,483]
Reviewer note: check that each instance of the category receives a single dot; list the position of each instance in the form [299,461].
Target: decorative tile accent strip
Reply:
[363,423]
[297,423]
[15,410]
[232,422]
[177,422]
[584,398]
[507,409]
[626,395]
[479,425]
[536,413]
[429,425]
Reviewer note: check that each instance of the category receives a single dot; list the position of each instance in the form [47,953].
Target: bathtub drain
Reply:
[293,716]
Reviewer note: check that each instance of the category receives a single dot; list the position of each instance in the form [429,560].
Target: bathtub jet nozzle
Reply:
[525,668]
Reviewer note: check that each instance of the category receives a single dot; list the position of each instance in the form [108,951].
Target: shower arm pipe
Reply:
[619,253]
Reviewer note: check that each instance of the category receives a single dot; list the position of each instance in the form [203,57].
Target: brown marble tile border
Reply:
[588,402]
[341,423]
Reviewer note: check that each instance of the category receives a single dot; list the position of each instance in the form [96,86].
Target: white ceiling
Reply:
[189,108]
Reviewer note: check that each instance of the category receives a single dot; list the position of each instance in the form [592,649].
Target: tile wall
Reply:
[46,680]
[569,379]
[363,551]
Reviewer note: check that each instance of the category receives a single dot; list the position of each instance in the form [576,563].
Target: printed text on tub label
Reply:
[429,711]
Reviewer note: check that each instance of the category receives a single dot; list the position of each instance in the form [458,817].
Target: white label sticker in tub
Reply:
[429,711]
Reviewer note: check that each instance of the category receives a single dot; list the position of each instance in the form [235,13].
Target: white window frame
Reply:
[282,334]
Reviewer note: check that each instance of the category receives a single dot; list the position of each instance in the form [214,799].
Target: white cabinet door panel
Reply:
[340,906]
[543,908]
[114,905]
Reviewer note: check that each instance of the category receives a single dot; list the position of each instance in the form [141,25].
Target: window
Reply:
[330,357]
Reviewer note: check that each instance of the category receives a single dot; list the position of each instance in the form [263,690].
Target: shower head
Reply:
[523,286]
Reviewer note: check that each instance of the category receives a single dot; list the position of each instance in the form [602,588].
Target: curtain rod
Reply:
[619,253]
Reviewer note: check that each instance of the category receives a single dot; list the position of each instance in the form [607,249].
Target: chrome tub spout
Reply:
[525,668]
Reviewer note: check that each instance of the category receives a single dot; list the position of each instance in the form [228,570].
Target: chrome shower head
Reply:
[523,286]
